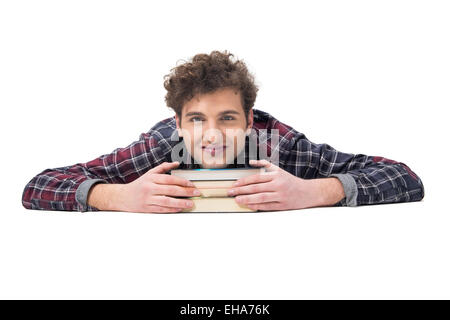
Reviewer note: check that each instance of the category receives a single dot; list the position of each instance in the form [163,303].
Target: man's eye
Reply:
[228,118]
[195,119]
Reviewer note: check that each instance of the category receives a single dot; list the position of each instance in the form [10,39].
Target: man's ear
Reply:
[249,122]
[177,120]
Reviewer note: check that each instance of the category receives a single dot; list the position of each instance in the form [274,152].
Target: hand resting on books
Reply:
[277,189]
[155,191]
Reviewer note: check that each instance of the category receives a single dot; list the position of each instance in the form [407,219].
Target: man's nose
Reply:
[211,133]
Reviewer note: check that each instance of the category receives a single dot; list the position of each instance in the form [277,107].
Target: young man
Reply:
[216,126]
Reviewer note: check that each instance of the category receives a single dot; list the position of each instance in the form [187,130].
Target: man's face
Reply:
[213,127]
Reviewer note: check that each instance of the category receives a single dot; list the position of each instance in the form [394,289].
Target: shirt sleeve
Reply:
[67,188]
[366,179]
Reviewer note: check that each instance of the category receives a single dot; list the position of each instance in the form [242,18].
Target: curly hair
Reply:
[206,74]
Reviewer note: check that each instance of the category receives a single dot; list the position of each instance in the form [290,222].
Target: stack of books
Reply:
[213,185]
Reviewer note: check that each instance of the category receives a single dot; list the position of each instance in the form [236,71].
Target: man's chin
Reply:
[208,162]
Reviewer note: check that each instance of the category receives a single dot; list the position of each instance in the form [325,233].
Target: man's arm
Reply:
[311,175]
[104,196]
[365,179]
[278,189]
[331,191]
[67,188]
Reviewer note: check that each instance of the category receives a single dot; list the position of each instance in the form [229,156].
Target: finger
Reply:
[161,209]
[166,201]
[177,191]
[164,167]
[254,178]
[270,206]
[263,163]
[251,189]
[166,179]
[257,198]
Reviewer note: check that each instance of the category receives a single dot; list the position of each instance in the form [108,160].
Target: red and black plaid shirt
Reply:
[366,179]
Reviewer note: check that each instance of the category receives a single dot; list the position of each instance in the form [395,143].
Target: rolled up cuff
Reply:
[350,188]
[82,193]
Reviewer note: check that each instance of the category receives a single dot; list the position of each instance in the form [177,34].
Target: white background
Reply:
[81,78]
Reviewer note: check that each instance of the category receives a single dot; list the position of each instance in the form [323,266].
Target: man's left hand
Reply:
[277,189]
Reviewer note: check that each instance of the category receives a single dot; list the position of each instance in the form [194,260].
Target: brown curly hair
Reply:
[206,74]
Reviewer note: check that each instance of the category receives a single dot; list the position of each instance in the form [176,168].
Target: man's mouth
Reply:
[213,150]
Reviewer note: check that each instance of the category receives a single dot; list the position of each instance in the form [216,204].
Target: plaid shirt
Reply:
[366,179]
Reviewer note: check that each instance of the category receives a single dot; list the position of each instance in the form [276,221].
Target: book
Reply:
[213,185]
[216,204]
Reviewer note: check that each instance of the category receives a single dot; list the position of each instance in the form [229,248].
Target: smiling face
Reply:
[213,127]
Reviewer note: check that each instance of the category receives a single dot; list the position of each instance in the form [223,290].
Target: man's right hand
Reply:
[152,192]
